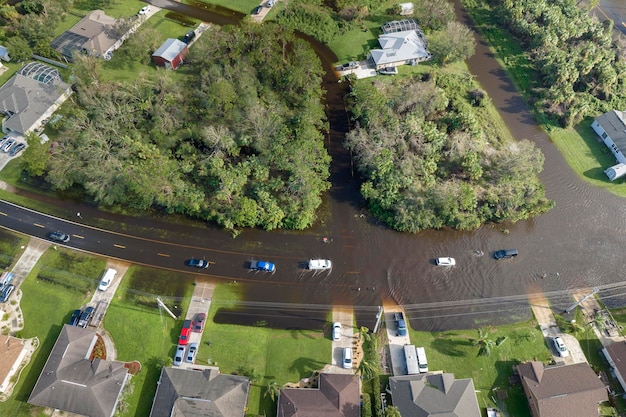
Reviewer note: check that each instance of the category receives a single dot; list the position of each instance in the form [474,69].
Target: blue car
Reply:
[263,266]
[197,263]
[6,292]
[75,317]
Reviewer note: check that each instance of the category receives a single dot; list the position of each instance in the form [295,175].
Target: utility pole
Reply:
[579,302]
[160,303]
[379,315]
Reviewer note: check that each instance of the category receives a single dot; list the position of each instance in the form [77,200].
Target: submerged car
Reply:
[505,253]
[197,263]
[263,266]
[59,237]
[445,261]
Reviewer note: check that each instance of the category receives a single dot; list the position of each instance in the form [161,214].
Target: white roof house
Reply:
[399,48]
[611,127]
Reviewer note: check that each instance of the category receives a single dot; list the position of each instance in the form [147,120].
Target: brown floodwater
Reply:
[577,244]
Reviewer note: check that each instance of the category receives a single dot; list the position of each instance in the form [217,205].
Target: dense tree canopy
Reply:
[582,73]
[432,160]
[237,141]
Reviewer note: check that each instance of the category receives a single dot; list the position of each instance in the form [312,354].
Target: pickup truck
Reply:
[400,323]
[319,264]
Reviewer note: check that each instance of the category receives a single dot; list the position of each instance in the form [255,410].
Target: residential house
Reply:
[336,395]
[12,354]
[30,97]
[562,390]
[615,354]
[171,54]
[400,48]
[611,128]
[94,35]
[73,381]
[433,395]
[199,393]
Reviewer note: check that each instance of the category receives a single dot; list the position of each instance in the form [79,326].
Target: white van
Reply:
[421,360]
[319,264]
[347,358]
[107,279]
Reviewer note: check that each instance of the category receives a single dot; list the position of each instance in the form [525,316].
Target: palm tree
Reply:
[368,369]
[363,334]
[272,390]
[484,343]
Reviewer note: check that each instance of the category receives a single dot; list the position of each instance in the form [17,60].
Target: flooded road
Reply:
[577,244]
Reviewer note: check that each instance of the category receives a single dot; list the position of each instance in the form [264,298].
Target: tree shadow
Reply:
[450,347]
[152,369]
[305,366]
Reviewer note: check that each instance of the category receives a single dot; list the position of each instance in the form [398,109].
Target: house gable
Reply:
[71,382]
[399,48]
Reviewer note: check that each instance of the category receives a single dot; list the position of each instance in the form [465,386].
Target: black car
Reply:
[75,317]
[257,10]
[197,263]
[16,148]
[189,36]
[59,237]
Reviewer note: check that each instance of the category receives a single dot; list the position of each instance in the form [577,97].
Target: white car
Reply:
[336,331]
[319,264]
[559,345]
[445,261]
[346,362]
[144,10]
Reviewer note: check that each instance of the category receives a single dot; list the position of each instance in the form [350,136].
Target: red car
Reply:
[185,332]
[198,324]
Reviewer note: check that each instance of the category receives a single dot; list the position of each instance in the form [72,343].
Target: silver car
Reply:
[7,145]
[178,357]
[191,353]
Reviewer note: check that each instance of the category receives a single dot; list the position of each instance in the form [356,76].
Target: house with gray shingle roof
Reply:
[562,390]
[400,48]
[199,393]
[337,395]
[27,102]
[72,381]
[434,395]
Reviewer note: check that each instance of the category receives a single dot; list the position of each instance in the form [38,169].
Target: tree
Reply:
[484,343]
[392,411]
[272,390]
[18,48]
[455,43]
[368,369]
[36,155]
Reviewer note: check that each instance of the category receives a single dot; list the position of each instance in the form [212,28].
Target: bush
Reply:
[366,407]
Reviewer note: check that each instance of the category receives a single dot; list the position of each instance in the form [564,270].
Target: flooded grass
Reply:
[70,270]
[10,245]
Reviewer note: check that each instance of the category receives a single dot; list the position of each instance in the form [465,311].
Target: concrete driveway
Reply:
[344,316]
[396,343]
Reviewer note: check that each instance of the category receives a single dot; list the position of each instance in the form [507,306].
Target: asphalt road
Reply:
[117,245]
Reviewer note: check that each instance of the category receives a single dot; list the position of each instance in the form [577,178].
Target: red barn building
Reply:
[171,54]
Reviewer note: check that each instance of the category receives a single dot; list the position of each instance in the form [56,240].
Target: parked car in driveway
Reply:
[107,278]
[59,237]
[144,10]
[263,266]
[445,261]
[197,263]
[6,292]
[347,358]
[7,145]
[336,331]
[198,323]
[560,347]
[189,36]
[85,317]
[16,148]
[185,332]
[73,321]
[191,353]
[257,10]
[178,356]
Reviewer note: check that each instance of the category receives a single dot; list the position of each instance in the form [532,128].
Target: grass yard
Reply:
[269,354]
[453,351]
[10,246]
[141,332]
[46,307]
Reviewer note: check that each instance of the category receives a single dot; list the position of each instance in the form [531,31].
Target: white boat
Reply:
[388,71]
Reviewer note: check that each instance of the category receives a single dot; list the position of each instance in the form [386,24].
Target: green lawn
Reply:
[46,306]
[272,354]
[453,351]
[10,247]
